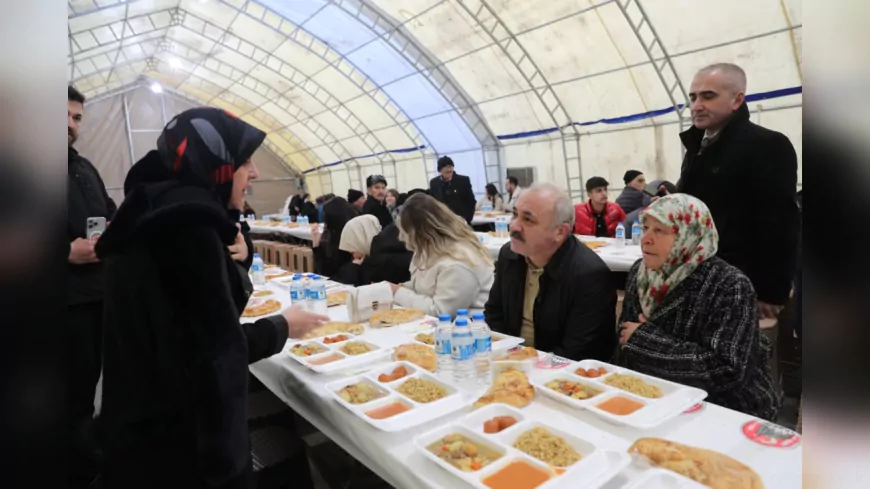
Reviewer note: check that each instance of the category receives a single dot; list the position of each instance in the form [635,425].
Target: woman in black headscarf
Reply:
[328,259]
[175,361]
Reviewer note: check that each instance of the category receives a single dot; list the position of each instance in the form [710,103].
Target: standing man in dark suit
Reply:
[727,154]
[86,197]
[453,190]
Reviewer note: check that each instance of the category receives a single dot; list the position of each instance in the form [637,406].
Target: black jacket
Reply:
[176,358]
[631,199]
[705,334]
[576,305]
[455,194]
[379,210]
[389,261]
[86,197]
[748,179]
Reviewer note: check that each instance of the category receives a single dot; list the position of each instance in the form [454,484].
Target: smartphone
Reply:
[651,190]
[96,226]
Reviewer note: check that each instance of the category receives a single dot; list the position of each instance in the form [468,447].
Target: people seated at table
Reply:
[303,207]
[597,217]
[356,239]
[392,201]
[513,190]
[453,190]
[450,269]
[492,198]
[632,196]
[328,258]
[690,317]
[376,186]
[356,198]
[175,356]
[664,188]
[549,289]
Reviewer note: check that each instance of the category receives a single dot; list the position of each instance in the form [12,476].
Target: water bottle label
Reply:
[463,352]
[317,294]
[294,295]
[620,233]
[442,347]
[482,345]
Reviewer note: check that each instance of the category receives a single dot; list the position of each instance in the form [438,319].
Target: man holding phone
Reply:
[89,208]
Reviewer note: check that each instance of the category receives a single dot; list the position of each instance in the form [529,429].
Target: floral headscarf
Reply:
[696,240]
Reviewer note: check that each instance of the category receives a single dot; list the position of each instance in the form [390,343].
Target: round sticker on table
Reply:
[695,408]
[771,435]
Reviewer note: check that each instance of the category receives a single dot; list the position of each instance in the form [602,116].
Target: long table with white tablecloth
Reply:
[393,457]
[617,259]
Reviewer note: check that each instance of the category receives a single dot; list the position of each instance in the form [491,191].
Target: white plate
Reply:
[662,479]
[347,361]
[418,414]
[677,398]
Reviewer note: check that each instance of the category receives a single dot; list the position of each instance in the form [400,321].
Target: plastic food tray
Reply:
[594,469]
[676,399]
[662,479]
[502,342]
[347,361]
[418,413]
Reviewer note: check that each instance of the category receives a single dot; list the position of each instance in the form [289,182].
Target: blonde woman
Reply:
[450,270]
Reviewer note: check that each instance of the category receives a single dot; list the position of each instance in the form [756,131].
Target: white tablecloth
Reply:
[297,232]
[393,457]
[617,259]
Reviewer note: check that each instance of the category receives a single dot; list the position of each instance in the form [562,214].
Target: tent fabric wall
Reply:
[348,88]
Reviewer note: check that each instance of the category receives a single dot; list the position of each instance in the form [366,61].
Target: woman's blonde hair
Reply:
[431,230]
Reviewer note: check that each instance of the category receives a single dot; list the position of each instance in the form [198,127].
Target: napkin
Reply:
[364,301]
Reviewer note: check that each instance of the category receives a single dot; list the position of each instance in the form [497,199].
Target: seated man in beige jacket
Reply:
[450,270]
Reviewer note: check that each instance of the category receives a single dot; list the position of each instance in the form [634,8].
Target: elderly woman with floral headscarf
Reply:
[690,317]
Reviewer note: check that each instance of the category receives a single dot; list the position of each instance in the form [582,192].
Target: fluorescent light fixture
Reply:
[156,88]
[175,63]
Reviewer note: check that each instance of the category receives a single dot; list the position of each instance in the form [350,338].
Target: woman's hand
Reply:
[239,249]
[628,329]
[300,321]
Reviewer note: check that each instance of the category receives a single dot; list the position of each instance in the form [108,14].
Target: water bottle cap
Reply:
[444,317]
[621,224]
[462,312]
[462,322]
[256,255]
[297,277]
[478,316]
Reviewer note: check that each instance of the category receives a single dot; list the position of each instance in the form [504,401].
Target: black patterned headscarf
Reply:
[202,147]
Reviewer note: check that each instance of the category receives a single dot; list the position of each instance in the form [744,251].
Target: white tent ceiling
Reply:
[340,84]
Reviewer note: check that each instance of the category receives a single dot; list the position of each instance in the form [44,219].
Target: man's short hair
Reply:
[733,73]
[74,95]
[513,180]
[444,161]
[596,182]
[563,208]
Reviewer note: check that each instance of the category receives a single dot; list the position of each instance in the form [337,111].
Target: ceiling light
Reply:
[175,63]
[156,88]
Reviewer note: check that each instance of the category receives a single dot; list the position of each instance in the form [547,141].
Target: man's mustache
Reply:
[518,236]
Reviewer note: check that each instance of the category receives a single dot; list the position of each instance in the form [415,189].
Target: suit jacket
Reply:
[455,194]
[575,311]
[748,179]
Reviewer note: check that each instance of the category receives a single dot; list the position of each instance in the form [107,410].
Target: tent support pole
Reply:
[129,132]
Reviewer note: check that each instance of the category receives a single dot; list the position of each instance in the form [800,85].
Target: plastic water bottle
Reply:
[482,350]
[297,292]
[286,220]
[486,207]
[317,296]
[501,227]
[241,218]
[462,348]
[258,270]
[620,235]
[443,352]
[302,220]
[461,313]
[636,231]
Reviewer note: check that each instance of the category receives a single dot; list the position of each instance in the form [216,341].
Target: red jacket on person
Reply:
[584,218]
